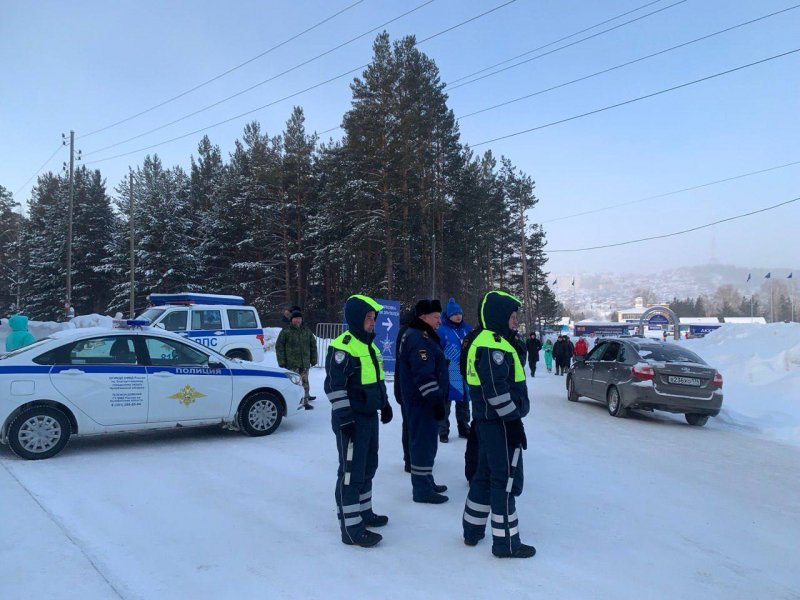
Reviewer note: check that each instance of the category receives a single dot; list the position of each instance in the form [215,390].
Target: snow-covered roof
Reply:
[699,320]
[751,320]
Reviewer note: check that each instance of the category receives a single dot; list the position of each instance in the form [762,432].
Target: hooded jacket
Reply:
[20,336]
[495,374]
[451,335]
[354,380]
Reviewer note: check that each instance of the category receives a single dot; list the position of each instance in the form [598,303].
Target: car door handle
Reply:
[163,374]
[72,372]
[219,333]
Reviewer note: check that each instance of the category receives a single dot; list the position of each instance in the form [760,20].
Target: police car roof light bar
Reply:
[188,298]
[131,323]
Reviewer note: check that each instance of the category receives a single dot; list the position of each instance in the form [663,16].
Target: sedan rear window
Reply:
[668,353]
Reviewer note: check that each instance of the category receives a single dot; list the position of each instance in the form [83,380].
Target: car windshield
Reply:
[24,348]
[668,353]
[151,314]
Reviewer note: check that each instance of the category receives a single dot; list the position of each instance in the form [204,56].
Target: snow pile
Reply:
[41,329]
[270,337]
[760,365]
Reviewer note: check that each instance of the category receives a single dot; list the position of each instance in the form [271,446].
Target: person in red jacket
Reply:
[581,348]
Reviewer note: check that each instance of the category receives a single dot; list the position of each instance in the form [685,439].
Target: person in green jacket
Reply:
[20,336]
[297,351]
[548,355]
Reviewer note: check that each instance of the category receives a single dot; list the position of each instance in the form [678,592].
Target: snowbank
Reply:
[760,365]
[41,329]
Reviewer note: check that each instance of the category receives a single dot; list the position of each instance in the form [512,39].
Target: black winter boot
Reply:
[366,540]
[376,521]
[434,499]
[524,551]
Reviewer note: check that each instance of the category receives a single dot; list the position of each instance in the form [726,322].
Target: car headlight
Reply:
[295,379]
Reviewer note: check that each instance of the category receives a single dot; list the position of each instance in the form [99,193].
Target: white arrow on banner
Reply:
[388,325]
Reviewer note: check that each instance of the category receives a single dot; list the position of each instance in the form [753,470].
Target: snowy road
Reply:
[646,507]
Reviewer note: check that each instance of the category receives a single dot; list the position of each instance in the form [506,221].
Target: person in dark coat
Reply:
[296,349]
[424,382]
[354,384]
[405,319]
[533,345]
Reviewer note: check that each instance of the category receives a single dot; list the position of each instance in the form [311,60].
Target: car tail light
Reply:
[260,338]
[718,379]
[643,372]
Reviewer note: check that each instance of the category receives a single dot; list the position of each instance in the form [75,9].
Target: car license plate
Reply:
[683,380]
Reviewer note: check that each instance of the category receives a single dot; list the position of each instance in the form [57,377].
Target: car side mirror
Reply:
[212,364]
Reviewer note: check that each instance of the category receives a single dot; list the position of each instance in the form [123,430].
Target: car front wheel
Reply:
[39,432]
[260,414]
[615,408]
[572,395]
[695,419]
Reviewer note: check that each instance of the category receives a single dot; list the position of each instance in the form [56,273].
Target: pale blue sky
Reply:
[88,64]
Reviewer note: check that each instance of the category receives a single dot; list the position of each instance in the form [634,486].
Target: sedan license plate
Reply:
[683,380]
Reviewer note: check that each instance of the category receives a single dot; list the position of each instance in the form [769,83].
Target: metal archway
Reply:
[664,311]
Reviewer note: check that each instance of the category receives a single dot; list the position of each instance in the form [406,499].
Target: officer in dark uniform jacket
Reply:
[499,394]
[354,384]
[424,384]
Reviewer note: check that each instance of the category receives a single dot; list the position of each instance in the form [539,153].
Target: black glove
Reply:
[386,413]
[438,410]
[515,434]
[348,429]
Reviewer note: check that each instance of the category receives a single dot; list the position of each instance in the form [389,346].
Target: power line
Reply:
[631,101]
[666,235]
[552,51]
[223,74]
[475,18]
[274,102]
[44,164]
[626,64]
[672,193]
[260,83]
[548,53]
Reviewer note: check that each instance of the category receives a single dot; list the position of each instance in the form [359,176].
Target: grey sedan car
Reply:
[647,374]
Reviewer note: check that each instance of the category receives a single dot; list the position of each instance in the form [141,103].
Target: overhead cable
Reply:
[224,73]
[667,235]
[632,100]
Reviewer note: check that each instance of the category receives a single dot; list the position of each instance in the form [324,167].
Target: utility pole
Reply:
[68,303]
[72,158]
[526,296]
[133,256]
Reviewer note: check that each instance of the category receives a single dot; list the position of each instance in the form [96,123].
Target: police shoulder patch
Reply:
[339,356]
[423,354]
[347,338]
[497,357]
[497,337]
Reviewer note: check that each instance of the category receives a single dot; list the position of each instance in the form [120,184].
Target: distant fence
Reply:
[325,333]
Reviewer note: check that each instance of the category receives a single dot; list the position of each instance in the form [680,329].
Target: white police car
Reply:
[101,380]
[223,323]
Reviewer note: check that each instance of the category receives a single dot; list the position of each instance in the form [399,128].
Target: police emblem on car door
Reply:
[182,386]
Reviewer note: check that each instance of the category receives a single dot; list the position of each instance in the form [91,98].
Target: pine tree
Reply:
[44,243]
[11,225]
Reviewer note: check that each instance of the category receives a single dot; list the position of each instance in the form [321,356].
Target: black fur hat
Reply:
[426,307]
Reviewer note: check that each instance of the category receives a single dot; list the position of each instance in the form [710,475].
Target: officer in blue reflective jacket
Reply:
[354,384]
[422,369]
[496,380]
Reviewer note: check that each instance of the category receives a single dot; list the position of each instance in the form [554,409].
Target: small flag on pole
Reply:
[573,282]
[790,276]
[555,281]
[749,275]
[768,275]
